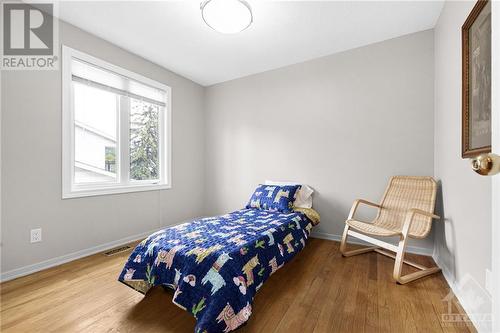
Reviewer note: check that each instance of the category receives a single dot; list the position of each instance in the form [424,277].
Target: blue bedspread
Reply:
[217,264]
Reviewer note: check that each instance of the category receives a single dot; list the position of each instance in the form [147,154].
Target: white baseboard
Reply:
[411,249]
[29,269]
[463,296]
[22,271]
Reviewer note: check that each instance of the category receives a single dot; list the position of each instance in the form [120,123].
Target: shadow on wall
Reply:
[444,237]
[333,214]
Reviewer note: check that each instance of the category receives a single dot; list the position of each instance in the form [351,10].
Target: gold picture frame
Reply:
[476,81]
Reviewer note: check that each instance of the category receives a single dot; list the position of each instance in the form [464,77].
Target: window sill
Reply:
[81,193]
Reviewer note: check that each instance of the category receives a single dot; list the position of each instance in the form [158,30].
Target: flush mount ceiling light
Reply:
[226,16]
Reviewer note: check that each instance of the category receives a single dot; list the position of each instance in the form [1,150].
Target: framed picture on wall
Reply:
[476,81]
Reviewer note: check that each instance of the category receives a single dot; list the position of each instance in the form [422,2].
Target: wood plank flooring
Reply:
[318,291]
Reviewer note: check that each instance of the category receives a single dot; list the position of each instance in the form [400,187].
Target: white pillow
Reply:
[304,196]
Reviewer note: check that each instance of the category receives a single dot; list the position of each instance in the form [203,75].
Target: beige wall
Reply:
[463,238]
[343,124]
[31,164]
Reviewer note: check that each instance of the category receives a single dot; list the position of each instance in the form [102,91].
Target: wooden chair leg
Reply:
[343,246]
[400,257]
[344,240]
[398,266]
[417,275]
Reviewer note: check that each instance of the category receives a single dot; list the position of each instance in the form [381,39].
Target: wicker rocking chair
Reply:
[406,211]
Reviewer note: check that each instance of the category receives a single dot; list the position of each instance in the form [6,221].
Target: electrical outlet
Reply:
[487,282]
[36,235]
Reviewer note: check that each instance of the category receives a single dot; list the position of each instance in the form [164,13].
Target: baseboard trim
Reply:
[410,249]
[464,299]
[29,269]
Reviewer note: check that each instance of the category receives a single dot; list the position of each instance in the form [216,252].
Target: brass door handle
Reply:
[486,164]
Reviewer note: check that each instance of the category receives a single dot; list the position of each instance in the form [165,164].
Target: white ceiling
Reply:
[173,34]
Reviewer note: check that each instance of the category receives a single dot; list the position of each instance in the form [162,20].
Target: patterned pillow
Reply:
[274,197]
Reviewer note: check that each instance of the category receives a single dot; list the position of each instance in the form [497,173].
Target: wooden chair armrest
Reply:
[410,214]
[417,211]
[369,203]
[356,204]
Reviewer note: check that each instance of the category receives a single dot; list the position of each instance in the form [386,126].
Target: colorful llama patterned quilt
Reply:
[217,264]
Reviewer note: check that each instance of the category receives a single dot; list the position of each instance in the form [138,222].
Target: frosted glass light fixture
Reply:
[226,16]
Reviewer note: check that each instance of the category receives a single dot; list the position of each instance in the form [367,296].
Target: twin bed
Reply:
[216,265]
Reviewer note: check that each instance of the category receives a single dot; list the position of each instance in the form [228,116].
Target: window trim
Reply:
[69,189]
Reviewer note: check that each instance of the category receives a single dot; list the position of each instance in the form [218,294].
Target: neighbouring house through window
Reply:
[116,129]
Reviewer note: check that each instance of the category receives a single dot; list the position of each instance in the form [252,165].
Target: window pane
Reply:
[144,140]
[95,134]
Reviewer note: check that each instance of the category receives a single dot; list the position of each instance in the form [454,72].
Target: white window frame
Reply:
[123,184]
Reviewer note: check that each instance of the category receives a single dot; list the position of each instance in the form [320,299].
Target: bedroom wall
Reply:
[463,238]
[343,124]
[31,167]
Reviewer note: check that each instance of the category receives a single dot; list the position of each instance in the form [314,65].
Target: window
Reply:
[116,129]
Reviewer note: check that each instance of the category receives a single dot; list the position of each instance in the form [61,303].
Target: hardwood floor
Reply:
[319,291]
